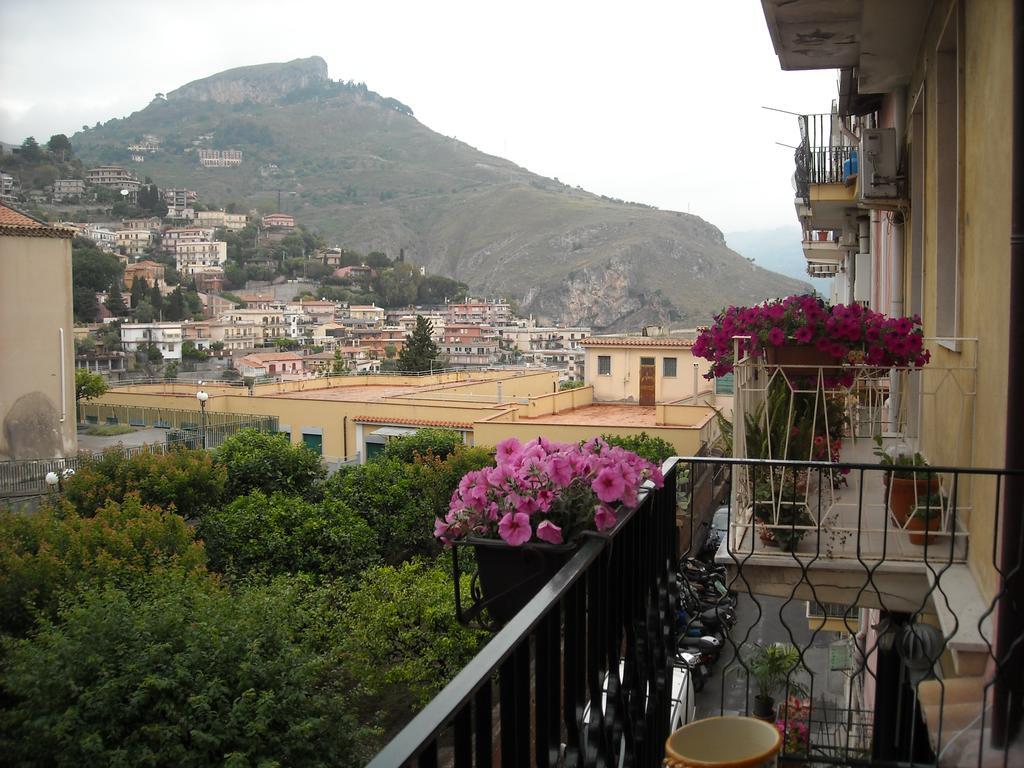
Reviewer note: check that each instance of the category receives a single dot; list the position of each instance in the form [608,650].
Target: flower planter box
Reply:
[802,360]
[510,576]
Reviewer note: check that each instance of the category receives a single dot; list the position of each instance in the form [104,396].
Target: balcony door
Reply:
[646,381]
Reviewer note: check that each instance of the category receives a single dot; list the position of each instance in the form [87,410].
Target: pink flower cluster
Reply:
[792,724]
[546,491]
[847,333]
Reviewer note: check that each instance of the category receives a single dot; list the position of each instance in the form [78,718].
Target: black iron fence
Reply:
[825,154]
[905,671]
[581,676]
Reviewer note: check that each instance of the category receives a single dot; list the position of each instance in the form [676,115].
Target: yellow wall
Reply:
[624,382]
[546,405]
[984,229]
[686,441]
[37,405]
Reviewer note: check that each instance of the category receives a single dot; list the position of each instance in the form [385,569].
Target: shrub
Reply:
[191,675]
[400,642]
[654,449]
[439,442]
[186,480]
[47,554]
[267,462]
[286,534]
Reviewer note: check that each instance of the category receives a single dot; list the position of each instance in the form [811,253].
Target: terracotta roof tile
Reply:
[635,341]
[15,224]
[411,422]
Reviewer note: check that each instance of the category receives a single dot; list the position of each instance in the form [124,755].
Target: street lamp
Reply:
[56,479]
[202,397]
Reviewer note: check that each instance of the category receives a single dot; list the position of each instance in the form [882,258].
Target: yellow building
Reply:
[643,369]
[37,373]
[352,417]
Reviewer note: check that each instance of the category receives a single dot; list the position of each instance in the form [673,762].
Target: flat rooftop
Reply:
[605,415]
[361,393]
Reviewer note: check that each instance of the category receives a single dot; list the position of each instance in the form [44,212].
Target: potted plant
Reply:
[791,722]
[904,486]
[773,667]
[926,515]
[787,330]
[524,517]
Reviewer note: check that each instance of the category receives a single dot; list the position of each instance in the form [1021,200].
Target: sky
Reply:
[653,102]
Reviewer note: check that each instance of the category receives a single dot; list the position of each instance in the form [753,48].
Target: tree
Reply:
[566,385]
[338,365]
[140,291]
[85,304]
[88,385]
[60,145]
[189,351]
[216,346]
[92,268]
[144,312]
[156,299]
[255,460]
[284,533]
[180,672]
[186,480]
[654,449]
[423,442]
[153,353]
[56,551]
[175,309]
[30,149]
[435,289]
[420,352]
[115,301]
[397,286]
[399,642]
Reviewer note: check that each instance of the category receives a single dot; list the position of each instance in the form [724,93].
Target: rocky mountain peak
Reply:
[262,83]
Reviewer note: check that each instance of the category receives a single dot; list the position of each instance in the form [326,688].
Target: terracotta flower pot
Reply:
[801,360]
[905,492]
[934,523]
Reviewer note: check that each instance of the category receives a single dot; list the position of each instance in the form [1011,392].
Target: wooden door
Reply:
[646,381]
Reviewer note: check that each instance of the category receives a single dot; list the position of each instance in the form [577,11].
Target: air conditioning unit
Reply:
[878,179]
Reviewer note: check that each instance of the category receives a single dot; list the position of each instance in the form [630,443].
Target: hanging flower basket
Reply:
[509,577]
[802,360]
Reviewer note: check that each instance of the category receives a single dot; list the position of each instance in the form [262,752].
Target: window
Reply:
[604,365]
[668,367]
[313,442]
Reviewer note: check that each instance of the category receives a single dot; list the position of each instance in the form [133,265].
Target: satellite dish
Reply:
[125,193]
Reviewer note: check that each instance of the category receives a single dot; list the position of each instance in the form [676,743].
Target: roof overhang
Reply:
[394,431]
[879,38]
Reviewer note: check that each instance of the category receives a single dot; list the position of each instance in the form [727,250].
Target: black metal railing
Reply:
[581,675]
[824,155]
[906,669]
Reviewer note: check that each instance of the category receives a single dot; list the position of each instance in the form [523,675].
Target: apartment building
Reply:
[166,337]
[497,314]
[268,324]
[64,189]
[198,256]
[113,176]
[134,242]
[150,224]
[10,187]
[278,221]
[370,314]
[221,220]
[219,158]
[103,236]
[469,344]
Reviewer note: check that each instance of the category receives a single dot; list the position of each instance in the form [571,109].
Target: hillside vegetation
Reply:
[359,169]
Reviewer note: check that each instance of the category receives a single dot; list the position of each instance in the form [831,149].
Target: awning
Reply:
[394,431]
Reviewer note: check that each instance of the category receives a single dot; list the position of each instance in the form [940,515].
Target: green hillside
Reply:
[360,170]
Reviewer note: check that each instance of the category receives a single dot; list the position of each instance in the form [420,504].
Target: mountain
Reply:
[360,169]
[777,250]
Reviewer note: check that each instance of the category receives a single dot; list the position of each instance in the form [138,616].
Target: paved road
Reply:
[726,692]
[129,440]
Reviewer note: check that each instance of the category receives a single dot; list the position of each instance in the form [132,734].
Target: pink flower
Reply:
[549,532]
[604,518]
[776,337]
[507,450]
[803,335]
[514,528]
[608,485]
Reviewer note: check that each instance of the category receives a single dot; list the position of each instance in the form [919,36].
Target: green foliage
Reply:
[398,286]
[185,479]
[54,551]
[150,201]
[774,667]
[188,675]
[144,312]
[88,385]
[436,478]
[287,534]
[189,351]
[267,462]
[109,430]
[654,449]
[436,289]
[385,493]
[30,149]
[59,144]
[92,268]
[115,301]
[420,352]
[139,291]
[439,442]
[565,386]
[85,304]
[175,309]
[399,640]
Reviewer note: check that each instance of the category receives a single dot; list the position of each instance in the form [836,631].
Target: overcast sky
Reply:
[655,102]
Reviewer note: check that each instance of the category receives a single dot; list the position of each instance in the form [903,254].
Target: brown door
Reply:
[646,381]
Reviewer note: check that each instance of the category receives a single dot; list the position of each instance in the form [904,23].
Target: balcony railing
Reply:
[581,676]
[825,154]
[906,672]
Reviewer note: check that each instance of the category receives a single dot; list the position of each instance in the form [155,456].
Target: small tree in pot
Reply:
[773,667]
